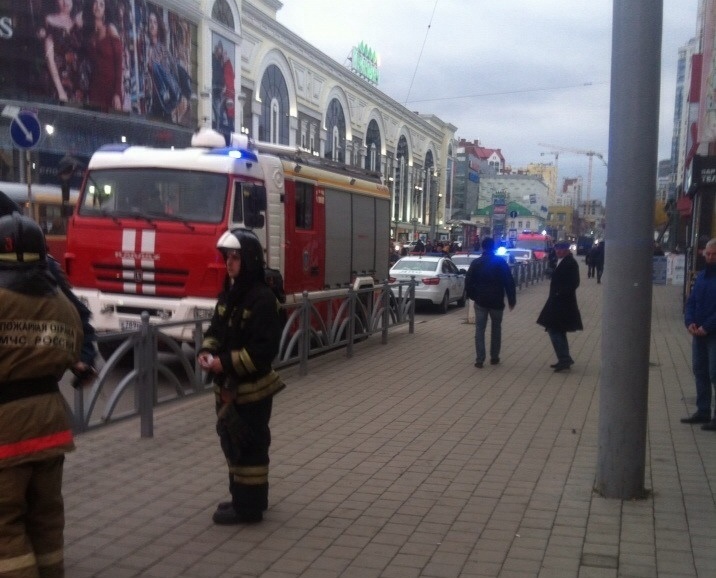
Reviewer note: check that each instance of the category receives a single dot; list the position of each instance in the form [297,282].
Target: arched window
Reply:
[336,146]
[273,124]
[221,12]
[373,144]
[448,186]
[401,179]
[336,131]
[430,192]
[275,121]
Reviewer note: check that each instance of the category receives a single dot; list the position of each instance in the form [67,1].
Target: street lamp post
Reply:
[415,222]
[65,171]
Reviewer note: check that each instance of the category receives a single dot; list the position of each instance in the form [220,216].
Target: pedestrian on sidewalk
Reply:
[487,282]
[700,321]
[589,260]
[560,313]
[598,260]
[42,338]
[238,348]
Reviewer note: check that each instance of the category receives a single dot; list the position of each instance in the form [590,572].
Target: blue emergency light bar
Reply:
[236,153]
[114,148]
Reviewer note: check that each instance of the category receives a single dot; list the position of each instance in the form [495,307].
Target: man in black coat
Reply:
[561,314]
[598,260]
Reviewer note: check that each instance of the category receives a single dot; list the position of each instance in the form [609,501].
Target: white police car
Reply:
[437,279]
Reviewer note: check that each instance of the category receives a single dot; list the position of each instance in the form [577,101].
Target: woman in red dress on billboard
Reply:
[62,36]
[104,52]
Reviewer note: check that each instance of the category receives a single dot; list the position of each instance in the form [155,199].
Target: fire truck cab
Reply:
[539,243]
[143,234]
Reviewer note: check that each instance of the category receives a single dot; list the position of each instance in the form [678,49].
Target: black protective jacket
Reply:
[245,332]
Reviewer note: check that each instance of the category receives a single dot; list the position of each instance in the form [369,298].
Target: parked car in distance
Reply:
[584,244]
[520,255]
[437,279]
[462,260]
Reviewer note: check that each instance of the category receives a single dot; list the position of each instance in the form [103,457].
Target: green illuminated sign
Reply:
[365,63]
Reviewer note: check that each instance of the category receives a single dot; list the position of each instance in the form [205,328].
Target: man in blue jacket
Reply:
[700,321]
[487,282]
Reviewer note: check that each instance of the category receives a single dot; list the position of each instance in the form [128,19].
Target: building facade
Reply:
[466,186]
[560,222]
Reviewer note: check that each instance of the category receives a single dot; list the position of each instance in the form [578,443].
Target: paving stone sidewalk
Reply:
[405,460]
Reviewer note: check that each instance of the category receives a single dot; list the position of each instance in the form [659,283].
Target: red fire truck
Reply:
[539,243]
[144,231]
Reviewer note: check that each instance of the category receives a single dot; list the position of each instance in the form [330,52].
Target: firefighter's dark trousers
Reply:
[32,520]
[245,439]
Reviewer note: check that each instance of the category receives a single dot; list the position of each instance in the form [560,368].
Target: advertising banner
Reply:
[223,87]
[127,56]
[658,274]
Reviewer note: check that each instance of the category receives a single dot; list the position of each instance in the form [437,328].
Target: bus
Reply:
[46,210]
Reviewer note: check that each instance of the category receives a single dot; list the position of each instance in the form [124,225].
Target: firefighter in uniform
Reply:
[238,348]
[40,338]
[84,369]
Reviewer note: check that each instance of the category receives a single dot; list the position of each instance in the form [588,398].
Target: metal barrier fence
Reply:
[159,369]
[529,273]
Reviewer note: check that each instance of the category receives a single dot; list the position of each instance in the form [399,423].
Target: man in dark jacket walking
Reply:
[560,313]
[598,260]
[487,282]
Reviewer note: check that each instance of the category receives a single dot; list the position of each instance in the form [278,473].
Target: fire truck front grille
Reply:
[138,310]
[161,281]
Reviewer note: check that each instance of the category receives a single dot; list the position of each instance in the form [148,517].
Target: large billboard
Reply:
[223,84]
[127,56]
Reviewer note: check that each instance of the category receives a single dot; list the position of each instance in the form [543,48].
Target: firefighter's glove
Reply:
[84,374]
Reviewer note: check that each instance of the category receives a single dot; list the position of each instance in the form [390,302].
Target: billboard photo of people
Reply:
[128,56]
[168,84]
[223,84]
[61,37]
[103,76]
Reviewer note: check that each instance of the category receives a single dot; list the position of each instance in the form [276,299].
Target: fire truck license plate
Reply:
[129,324]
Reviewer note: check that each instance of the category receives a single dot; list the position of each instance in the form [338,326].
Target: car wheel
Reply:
[443,307]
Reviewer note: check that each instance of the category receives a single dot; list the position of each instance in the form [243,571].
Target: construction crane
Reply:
[555,154]
[591,154]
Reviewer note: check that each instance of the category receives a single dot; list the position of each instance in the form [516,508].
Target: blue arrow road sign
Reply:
[25,129]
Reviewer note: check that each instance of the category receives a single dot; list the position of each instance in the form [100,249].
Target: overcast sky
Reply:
[511,74]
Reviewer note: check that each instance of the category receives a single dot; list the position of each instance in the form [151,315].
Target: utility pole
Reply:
[626,316]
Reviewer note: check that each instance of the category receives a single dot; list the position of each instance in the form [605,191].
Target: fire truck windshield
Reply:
[534,243]
[156,194]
